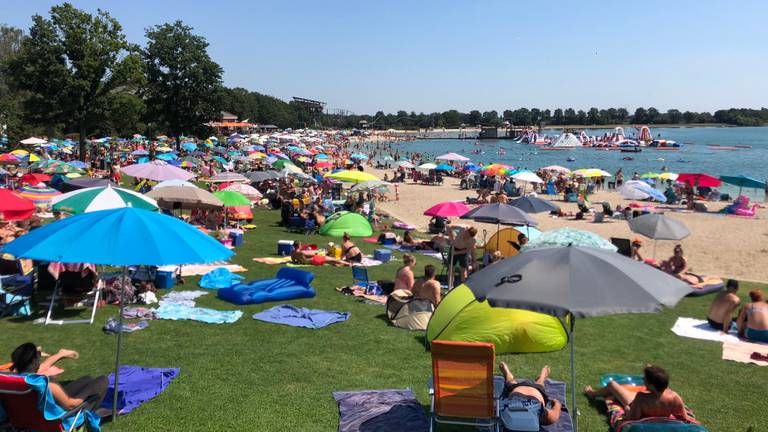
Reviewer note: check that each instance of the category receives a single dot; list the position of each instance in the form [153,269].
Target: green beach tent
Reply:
[346,222]
[460,317]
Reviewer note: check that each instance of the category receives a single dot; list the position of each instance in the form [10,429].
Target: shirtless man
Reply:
[463,249]
[427,288]
[299,256]
[531,395]
[721,310]
[658,401]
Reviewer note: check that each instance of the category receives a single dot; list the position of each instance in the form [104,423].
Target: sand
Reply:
[719,245]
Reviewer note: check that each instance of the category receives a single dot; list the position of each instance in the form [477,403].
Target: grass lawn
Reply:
[257,376]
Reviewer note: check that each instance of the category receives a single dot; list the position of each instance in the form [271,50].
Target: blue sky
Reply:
[429,56]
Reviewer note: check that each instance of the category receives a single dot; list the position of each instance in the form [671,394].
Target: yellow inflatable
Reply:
[460,317]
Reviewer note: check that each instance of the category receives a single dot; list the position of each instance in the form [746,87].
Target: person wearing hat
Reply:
[636,245]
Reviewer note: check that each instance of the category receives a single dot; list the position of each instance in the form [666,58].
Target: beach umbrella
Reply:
[78,164]
[527,177]
[323,164]
[71,184]
[170,183]
[9,159]
[167,156]
[453,157]
[186,197]
[556,168]
[260,176]
[58,167]
[247,190]
[638,190]
[370,185]
[444,167]
[101,198]
[352,176]
[19,153]
[405,164]
[650,175]
[531,204]
[499,213]
[34,178]
[668,176]
[358,156]
[119,237]
[570,237]
[33,141]
[576,282]
[280,164]
[157,170]
[743,182]
[232,199]
[13,207]
[139,152]
[591,172]
[656,226]
[427,166]
[447,209]
[471,167]
[226,177]
[189,146]
[298,174]
[698,179]
[40,195]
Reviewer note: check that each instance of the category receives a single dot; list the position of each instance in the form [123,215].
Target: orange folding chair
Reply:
[464,390]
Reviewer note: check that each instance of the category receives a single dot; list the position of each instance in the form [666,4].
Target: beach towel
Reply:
[50,371]
[186,298]
[175,311]
[113,326]
[380,411]
[219,278]
[301,317]
[138,312]
[201,269]
[741,351]
[137,385]
[273,260]
[699,329]
[359,292]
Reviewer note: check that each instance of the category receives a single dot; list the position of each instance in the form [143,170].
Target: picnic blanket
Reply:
[201,269]
[301,317]
[132,312]
[700,329]
[366,262]
[176,311]
[380,411]
[741,351]
[113,326]
[219,278]
[137,385]
[186,298]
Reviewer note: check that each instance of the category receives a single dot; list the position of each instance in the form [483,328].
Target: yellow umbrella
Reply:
[164,149]
[352,176]
[73,175]
[668,176]
[591,172]
[20,153]
[34,158]
[257,155]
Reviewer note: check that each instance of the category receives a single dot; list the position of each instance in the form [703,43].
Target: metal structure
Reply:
[314,109]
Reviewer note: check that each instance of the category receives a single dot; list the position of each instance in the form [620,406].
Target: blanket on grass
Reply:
[301,317]
[367,261]
[381,411]
[741,351]
[137,385]
[175,311]
[359,292]
[700,329]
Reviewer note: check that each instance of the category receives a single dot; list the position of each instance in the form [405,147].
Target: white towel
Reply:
[700,329]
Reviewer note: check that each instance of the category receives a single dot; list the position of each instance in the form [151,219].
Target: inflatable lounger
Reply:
[708,285]
[289,283]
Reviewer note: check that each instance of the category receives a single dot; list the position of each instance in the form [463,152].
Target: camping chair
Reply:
[463,390]
[624,246]
[310,227]
[295,224]
[20,402]
[58,291]
[360,276]
[15,295]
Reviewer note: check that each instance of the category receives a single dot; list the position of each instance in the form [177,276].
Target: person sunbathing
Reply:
[753,319]
[307,257]
[87,391]
[531,396]
[722,307]
[427,288]
[677,266]
[404,276]
[349,252]
[658,401]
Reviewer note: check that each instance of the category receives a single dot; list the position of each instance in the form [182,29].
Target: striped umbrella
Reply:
[101,198]
[249,191]
[40,195]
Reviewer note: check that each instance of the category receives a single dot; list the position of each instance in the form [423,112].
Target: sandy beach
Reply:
[719,245]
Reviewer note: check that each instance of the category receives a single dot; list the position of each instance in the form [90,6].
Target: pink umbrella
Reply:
[157,170]
[447,209]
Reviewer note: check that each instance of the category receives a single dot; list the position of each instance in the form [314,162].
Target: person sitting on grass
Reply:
[722,307]
[86,390]
[349,252]
[404,278]
[306,257]
[753,319]
[658,401]
[531,396]
[427,288]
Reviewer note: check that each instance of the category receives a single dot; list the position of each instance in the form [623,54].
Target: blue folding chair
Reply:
[360,276]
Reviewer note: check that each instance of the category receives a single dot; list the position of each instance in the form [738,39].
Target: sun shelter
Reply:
[15,208]
[346,222]
[507,240]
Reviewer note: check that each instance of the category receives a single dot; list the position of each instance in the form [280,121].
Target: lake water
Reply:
[694,156]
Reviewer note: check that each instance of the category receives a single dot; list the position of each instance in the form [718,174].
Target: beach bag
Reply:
[405,311]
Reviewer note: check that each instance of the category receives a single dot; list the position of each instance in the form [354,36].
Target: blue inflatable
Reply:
[290,283]
[219,278]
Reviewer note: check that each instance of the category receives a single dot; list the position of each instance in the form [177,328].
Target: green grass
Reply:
[257,376]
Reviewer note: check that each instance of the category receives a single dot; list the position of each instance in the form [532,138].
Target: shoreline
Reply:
[571,126]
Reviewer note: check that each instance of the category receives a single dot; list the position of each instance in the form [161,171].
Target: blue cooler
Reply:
[284,247]
[164,279]
[237,238]
[383,255]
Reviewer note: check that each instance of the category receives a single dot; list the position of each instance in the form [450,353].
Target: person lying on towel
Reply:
[308,257]
[528,400]
[753,319]
[721,310]
[657,401]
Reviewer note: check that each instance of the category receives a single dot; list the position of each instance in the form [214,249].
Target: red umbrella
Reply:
[34,178]
[14,207]
[698,179]
[447,209]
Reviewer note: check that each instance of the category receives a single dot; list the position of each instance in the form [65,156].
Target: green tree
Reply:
[622,115]
[557,117]
[11,123]
[641,116]
[71,65]
[183,83]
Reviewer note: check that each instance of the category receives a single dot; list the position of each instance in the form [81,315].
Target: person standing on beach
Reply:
[464,248]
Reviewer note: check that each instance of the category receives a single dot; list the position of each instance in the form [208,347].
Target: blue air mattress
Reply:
[289,283]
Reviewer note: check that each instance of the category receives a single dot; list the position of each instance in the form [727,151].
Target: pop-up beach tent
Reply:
[346,222]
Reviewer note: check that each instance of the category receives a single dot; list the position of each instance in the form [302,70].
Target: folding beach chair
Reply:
[15,295]
[19,400]
[360,276]
[463,389]
[89,299]
[624,246]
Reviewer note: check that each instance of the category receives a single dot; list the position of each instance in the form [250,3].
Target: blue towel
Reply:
[173,311]
[556,390]
[381,411]
[137,385]
[301,317]
[219,278]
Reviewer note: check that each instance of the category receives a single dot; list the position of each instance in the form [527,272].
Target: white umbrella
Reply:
[249,191]
[528,177]
[453,157]
[33,141]
[556,168]
[175,182]
[427,166]
[228,177]
[405,164]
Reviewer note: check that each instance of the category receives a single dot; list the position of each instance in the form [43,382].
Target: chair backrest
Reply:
[359,274]
[624,246]
[463,378]
[19,400]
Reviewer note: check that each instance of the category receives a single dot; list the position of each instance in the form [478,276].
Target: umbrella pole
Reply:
[574,410]
[119,344]
[450,268]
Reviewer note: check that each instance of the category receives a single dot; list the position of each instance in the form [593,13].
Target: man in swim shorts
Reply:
[531,396]
[721,310]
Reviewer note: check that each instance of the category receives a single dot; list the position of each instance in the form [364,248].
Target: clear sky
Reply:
[429,56]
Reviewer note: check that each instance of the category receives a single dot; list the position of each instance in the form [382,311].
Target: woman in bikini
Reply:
[677,266]
[349,252]
[753,319]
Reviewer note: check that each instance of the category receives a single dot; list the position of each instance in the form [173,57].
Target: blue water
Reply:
[694,156]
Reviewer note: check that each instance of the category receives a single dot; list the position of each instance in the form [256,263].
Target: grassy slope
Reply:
[259,376]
